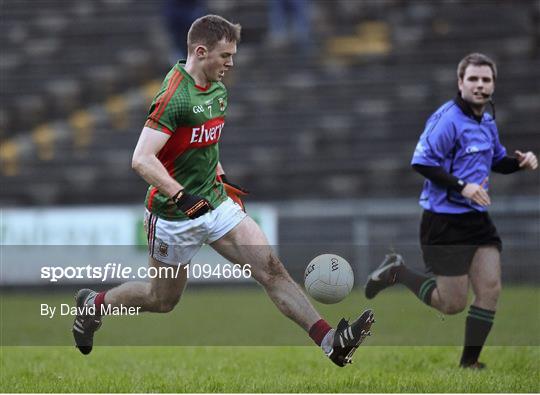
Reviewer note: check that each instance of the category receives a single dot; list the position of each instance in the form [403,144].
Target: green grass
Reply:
[263,369]
[201,347]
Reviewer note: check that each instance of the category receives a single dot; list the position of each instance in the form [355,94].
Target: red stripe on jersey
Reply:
[165,97]
[203,89]
[161,104]
[151,198]
[188,137]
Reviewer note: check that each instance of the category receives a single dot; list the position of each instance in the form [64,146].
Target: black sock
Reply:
[421,285]
[477,327]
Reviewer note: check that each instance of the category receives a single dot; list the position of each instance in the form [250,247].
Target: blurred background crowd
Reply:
[326,103]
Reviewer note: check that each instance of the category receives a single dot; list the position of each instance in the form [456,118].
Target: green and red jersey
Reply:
[194,117]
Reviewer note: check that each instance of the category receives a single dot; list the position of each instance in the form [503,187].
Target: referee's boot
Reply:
[384,276]
[348,337]
[86,321]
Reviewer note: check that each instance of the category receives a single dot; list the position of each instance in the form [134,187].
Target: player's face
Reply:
[219,60]
[477,85]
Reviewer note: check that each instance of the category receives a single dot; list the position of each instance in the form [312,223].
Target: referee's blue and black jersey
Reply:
[465,146]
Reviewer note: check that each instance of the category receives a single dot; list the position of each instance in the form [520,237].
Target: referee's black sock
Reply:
[477,327]
[421,285]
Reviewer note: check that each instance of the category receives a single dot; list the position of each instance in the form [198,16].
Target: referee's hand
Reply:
[477,194]
[527,160]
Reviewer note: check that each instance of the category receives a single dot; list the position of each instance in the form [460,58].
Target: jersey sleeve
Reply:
[437,140]
[169,107]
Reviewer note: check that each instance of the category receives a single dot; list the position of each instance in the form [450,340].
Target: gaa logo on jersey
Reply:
[198,109]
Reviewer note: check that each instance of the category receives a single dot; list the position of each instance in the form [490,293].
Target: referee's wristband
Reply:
[460,185]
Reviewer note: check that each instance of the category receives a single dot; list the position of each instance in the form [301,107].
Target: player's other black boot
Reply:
[384,276]
[85,324]
[348,338]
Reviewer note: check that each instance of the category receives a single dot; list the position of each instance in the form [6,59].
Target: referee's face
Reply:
[477,85]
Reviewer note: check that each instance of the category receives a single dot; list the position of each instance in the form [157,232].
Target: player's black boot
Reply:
[384,276]
[85,324]
[348,338]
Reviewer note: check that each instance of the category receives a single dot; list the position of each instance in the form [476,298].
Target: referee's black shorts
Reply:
[449,241]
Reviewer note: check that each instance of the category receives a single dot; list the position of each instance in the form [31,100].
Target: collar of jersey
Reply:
[466,108]
[181,65]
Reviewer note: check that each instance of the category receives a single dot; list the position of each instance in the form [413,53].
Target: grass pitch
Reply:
[264,369]
[413,349]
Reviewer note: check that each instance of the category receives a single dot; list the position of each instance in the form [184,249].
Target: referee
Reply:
[460,244]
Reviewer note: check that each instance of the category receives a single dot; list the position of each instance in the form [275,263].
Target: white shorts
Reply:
[176,242]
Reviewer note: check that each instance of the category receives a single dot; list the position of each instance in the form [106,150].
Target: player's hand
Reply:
[229,186]
[233,191]
[527,160]
[192,205]
[477,193]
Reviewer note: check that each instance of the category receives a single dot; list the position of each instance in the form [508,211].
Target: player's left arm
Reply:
[233,191]
[221,177]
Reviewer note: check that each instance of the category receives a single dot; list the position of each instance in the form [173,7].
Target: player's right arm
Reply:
[148,166]
[146,163]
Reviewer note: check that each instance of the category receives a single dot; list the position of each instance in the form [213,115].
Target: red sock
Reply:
[319,330]
[99,301]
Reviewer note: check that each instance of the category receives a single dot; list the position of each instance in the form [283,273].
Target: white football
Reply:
[328,278]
